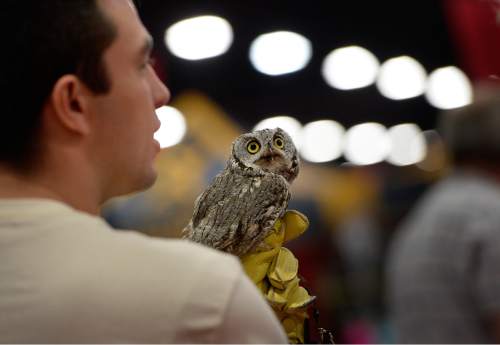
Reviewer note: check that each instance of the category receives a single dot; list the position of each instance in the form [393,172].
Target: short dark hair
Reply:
[42,41]
[472,133]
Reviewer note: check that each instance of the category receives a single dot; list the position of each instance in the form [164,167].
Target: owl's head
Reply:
[271,150]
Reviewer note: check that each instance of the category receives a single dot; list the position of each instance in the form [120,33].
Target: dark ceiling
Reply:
[387,28]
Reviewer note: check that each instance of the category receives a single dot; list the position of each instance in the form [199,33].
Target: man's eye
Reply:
[149,62]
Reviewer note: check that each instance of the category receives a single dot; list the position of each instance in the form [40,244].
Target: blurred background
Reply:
[358,85]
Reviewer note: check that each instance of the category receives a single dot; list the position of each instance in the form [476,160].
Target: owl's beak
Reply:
[270,150]
[269,154]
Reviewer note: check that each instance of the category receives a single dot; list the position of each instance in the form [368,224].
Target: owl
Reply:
[240,206]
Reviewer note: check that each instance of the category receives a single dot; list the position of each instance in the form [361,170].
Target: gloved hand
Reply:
[274,269]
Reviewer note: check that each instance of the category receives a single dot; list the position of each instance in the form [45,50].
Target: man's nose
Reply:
[161,93]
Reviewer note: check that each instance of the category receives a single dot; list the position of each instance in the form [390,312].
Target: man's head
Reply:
[76,74]
[44,40]
[472,133]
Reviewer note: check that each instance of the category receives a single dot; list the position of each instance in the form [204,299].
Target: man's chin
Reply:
[124,188]
[146,181]
[150,180]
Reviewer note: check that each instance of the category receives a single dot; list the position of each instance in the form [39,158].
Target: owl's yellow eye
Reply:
[253,147]
[279,142]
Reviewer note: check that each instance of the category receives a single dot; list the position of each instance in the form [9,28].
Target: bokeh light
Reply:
[322,141]
[401,77]
[366,143]
[349,68]
[173,126]
[280,52]
[449,88]
[408,144]
[199,37]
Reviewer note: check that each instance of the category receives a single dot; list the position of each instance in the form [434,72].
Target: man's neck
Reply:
[75,194]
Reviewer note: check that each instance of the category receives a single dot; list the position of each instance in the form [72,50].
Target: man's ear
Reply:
[70,103]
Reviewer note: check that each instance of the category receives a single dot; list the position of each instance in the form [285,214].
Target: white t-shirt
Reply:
[67,277]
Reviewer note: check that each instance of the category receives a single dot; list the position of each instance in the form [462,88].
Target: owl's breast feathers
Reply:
[239,208]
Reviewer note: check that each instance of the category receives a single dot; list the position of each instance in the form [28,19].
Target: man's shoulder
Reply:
[128,242]
[130,278]
[88,248]
[90,232]
[127,250]
[136,259]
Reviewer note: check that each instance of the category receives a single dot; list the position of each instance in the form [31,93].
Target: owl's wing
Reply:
[265,205]
[237,211]
[205,214]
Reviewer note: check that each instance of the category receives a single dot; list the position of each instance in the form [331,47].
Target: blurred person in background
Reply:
[78,116]
[443,272]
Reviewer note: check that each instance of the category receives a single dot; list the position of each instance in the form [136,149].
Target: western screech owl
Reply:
[239,208]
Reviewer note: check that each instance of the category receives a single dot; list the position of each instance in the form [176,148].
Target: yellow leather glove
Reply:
[274,270]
